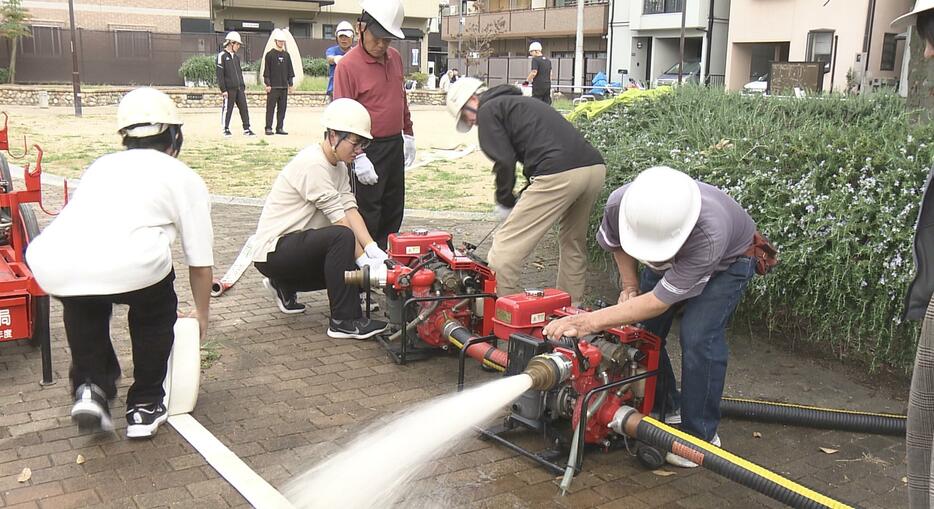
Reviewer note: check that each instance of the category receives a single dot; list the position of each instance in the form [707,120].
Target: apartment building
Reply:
[852,37]
[645,39]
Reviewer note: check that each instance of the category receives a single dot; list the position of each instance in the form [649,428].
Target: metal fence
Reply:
[124,57]
[499,70]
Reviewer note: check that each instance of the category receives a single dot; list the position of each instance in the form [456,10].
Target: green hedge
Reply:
[835,183]
[315,66]
[199,68]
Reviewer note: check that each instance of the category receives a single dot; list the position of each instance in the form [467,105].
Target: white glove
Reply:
[409,149]
[364,170]
[375,253]
[502,212]
[376,265]
[363,261]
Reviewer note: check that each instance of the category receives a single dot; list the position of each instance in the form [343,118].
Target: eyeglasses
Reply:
[361,143]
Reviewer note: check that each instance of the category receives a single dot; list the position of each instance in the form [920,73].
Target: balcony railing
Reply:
[541,22]
[661,6]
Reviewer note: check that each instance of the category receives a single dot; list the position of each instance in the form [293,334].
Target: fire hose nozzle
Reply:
[548,370]
[358,278]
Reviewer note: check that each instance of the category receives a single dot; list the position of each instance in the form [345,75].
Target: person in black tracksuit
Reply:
[277,75]
[230,81]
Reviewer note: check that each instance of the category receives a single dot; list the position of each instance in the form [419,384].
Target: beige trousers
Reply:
[566,198]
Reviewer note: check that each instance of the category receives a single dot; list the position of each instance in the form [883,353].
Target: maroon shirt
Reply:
[378,86]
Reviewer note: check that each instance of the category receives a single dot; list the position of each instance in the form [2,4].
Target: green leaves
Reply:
[834,181]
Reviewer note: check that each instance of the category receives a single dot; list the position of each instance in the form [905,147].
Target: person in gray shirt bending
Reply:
[695,243]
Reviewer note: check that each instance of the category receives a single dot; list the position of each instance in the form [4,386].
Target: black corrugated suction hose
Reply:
[732,467]
[814,417]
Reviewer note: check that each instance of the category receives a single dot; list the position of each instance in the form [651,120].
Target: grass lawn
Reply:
[309,84]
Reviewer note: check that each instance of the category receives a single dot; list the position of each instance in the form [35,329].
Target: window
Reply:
[661,6]
[889,47]
[46,41]
[300,29]
[132,44]
[327,31]
[820,46]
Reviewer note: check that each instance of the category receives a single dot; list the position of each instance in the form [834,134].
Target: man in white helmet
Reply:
[310,232]
[344,35]
[564,175]
[277,75]
[372,74]
[230,81]
[695,244]
[540,75]
[138,201]
[920,306]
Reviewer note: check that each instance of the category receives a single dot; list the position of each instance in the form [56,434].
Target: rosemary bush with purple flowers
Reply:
[834,182]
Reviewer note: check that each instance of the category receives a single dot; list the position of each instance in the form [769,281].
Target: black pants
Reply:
[313,260]
[153,311]
[383,203]
[276,98]
[542,95]
[235,97]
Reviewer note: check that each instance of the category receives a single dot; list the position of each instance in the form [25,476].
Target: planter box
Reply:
[194,84]
[250,78]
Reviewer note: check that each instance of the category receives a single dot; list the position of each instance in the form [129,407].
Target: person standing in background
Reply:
[277,75]
[230,81]
[334,54]
[540,75]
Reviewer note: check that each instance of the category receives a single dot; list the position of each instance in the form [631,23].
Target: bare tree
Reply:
[476,41]
[14,21]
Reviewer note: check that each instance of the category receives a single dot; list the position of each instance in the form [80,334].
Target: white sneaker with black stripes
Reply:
[91,410]
[142,421]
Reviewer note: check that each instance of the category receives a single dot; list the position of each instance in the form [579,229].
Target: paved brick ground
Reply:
[283,395]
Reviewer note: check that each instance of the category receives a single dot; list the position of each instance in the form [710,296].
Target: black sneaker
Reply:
[142,421]
[359,328]
[269,132]
[282,132]
[287,302]
[248,132]
[91,411]
[227,133]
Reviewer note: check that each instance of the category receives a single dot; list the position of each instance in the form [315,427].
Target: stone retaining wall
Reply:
[184,97]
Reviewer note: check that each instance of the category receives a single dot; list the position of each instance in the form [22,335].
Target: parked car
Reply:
[689,74]
[757,86]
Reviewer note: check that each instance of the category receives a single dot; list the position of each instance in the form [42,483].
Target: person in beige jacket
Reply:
[310,232]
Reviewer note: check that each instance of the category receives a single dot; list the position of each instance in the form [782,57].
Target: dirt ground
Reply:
[241,166]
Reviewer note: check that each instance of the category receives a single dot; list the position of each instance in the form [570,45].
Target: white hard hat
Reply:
[232,37]
[347,115]
[344,28]
[388,14]
[278,35]
[535,46]
[920,6]
[658,213]
[460,92]
[146,112]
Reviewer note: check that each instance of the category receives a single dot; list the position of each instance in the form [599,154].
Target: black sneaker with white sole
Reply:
[358,328]
[91,411]
[287,302]
[142,421]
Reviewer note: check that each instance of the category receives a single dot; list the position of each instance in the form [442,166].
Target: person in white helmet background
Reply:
[565,175]
[230,81]
[310,232]
[920,306]
[139,201]
[698,248]
[277,76]
[372,74]
[344,35]
[540,74]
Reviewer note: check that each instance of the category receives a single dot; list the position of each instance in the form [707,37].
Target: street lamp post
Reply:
[75,78]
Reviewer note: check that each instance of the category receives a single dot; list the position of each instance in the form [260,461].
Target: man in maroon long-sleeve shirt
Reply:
[371,74]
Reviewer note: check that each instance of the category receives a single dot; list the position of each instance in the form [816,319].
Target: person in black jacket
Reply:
[277,75]
[565,176]
[230,81]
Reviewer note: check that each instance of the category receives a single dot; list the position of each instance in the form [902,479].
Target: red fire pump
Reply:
[438,296]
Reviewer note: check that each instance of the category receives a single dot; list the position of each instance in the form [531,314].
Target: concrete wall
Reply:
[151,15]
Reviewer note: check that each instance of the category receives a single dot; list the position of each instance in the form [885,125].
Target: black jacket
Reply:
[229,74]
[921,288]
[513,128]
[278,72]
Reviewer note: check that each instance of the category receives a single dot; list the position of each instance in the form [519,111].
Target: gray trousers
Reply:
[920,433]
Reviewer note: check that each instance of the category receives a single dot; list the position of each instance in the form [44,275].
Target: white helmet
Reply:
[920,6]
[146,112]
[348,116]
[388,14]
[232,37]
[658,213]
[535,46]
[278,34]
[344,28]
[458,95]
